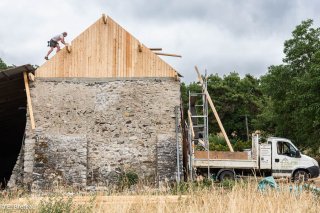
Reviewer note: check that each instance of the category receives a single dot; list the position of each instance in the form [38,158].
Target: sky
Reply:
[220,36]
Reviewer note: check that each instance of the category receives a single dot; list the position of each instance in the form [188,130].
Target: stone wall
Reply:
[89,131]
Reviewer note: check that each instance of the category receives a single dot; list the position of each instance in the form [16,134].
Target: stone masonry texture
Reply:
[88,132]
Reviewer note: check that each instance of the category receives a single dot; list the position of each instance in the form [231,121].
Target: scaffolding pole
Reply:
[176,110]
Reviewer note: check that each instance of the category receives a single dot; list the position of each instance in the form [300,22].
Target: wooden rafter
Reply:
[167,54]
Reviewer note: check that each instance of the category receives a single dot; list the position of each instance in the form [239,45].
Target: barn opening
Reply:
[13,110]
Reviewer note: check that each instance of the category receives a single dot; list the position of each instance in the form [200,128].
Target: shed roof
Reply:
[12,94]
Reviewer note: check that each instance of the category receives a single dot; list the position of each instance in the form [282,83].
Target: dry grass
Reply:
[241,197]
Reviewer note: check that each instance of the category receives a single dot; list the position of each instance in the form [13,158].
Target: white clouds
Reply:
[222,36]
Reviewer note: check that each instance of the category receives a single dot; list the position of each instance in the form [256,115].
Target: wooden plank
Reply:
[110,49]
[103,50]
[216,115]
[122,49]
[155,49]
[26,84]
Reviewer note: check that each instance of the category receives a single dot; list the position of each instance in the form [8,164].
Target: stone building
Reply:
[105,105]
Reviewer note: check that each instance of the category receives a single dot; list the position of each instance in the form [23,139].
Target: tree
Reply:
[234,98]
[3,66]
[293,89]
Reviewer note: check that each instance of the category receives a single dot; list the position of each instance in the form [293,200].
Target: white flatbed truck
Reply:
[277,157]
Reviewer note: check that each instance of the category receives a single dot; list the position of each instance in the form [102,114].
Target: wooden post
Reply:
[68,46]
[104,18]
[140,47]
[216,115]
[26,84]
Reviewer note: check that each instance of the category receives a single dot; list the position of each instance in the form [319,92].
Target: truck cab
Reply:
[284,159]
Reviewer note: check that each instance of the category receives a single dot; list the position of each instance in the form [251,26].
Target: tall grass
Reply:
[191,197]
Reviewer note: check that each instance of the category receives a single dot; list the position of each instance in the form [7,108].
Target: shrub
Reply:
[127,179]
[55,204]
[60,204]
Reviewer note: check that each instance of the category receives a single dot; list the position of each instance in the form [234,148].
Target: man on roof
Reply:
[54,43]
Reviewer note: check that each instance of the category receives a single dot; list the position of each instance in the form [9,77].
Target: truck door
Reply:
[283,159]
[265,156]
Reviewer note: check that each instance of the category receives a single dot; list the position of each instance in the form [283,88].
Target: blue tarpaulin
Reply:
[267,182]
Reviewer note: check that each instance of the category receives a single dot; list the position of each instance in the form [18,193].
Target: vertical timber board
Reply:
[120,50]
[117,52]
[85,51]
[114,53]
[143,65]
[134,49]
[99,48]
[128,56]
[124,52]
[109,49]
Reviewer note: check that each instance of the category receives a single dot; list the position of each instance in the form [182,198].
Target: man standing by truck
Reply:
[54,43]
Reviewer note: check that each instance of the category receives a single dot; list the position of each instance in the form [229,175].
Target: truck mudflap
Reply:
[314,171]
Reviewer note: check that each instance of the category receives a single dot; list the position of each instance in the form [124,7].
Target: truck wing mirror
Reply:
[298,155]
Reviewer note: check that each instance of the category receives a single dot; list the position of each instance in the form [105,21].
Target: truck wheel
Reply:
[226,175]
[300,176]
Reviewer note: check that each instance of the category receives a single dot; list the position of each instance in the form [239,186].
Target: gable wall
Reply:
[105,50]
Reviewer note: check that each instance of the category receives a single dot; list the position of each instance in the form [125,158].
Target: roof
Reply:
[12,73]
[12,94]
[105,50]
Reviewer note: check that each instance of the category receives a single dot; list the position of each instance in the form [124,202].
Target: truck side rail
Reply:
[225,163]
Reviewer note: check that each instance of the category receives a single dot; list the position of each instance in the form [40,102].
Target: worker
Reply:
[54,43]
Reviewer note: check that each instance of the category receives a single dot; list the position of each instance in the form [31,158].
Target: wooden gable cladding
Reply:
[105,50]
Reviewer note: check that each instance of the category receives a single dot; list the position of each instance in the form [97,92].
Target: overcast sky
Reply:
[221,36]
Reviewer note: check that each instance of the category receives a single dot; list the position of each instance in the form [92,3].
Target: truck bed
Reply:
[221,155]
[225,163]
[219,159]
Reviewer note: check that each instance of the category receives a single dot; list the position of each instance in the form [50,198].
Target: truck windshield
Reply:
[285,148]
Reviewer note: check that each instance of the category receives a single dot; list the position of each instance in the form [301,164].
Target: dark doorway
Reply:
[13,105]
